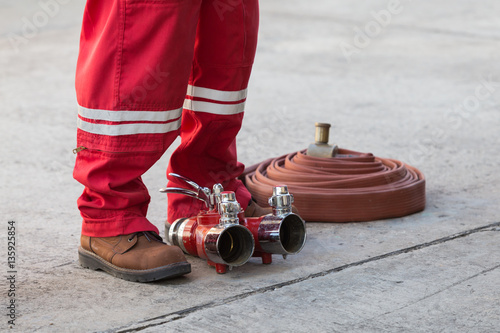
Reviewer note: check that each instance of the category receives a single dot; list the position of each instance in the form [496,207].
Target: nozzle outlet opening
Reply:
[284,234]
[292,233]
[235,246]
[229,244]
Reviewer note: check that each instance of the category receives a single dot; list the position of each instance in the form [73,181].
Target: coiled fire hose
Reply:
[347,187]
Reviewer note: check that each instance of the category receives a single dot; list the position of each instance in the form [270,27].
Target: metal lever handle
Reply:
[186,180]
[189,193]
[203,192]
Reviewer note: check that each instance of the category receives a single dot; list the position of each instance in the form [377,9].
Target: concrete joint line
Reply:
[437,292]
[170,317]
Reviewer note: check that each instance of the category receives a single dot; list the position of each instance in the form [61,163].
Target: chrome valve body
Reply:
[281,201]
[228,208]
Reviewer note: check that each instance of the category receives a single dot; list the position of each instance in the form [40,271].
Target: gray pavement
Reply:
[421,84]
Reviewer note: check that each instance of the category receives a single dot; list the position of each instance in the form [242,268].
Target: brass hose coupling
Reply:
[320,147]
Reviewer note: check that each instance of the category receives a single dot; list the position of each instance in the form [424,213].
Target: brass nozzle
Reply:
[322,133]
[321,148]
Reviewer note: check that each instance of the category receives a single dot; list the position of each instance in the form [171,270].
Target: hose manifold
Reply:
[225,237]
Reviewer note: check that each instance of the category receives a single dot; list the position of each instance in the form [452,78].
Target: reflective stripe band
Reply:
[118,116]
[217,95]
[215,108]
[128,129]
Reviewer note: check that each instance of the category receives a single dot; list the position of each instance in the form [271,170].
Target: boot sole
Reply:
[91,260]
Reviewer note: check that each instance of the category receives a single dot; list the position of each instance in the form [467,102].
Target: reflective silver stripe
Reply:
[215,108]
[109,115]
[127,129]
[217,95]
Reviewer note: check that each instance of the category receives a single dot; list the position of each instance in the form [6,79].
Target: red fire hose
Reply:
[350,187]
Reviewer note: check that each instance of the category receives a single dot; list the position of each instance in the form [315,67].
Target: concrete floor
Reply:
[424,89]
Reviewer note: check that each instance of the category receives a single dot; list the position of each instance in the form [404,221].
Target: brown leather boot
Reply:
[141,256]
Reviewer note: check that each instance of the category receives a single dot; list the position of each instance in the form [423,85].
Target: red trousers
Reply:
[137,60]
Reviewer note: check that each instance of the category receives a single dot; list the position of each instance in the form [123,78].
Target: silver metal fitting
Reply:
[228,208]
[281,201]
[215,196]
[174,232]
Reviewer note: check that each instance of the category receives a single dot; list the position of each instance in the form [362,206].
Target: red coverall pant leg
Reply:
[214,106]
[135,61]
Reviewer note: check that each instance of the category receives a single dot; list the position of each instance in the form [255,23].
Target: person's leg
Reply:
[132,72]
[213,110]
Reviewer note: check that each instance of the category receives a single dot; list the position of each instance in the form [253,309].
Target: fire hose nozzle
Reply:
[320,147]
